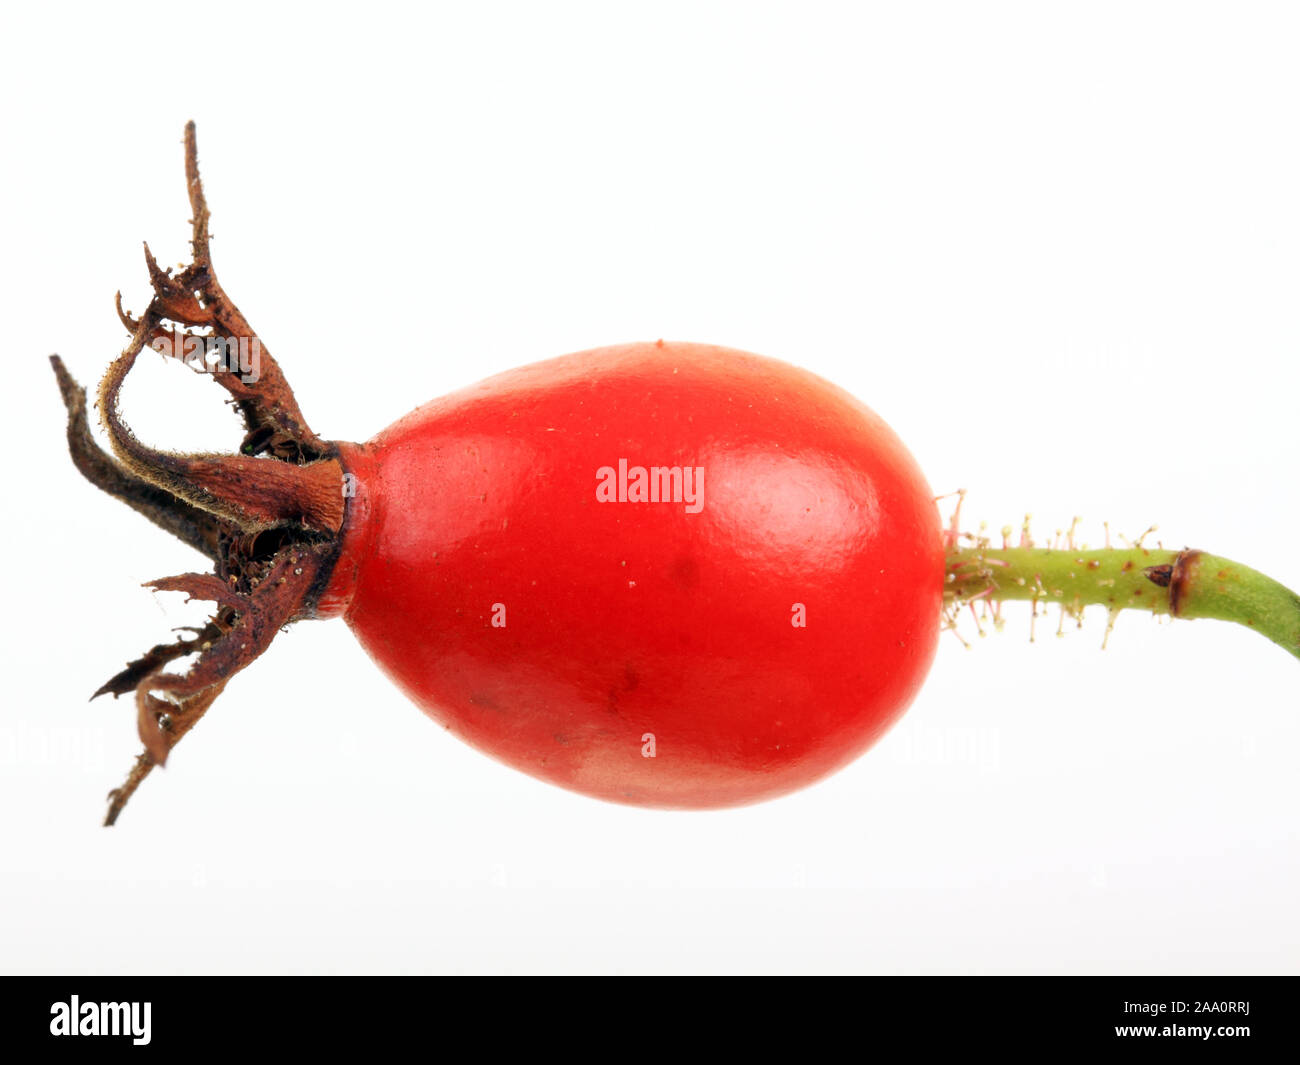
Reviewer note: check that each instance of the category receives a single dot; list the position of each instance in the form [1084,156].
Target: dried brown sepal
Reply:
[249,493]
[186,716]
[155,659]
[268,517]
[187,523]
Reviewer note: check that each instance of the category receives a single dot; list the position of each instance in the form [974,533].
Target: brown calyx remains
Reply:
[268,518]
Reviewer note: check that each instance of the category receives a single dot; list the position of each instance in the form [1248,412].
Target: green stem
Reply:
[1184,584]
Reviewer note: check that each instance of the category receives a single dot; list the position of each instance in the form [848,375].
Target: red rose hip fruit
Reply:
[665,574]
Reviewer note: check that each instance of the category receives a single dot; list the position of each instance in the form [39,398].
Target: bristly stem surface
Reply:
[1182,584]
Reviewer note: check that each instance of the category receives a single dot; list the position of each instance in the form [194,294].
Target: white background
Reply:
[1057,248]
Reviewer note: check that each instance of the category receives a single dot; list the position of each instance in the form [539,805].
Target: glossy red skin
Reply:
[627,618]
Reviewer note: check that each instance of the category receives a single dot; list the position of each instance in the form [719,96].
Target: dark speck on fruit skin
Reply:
[631,681]
[685,572]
